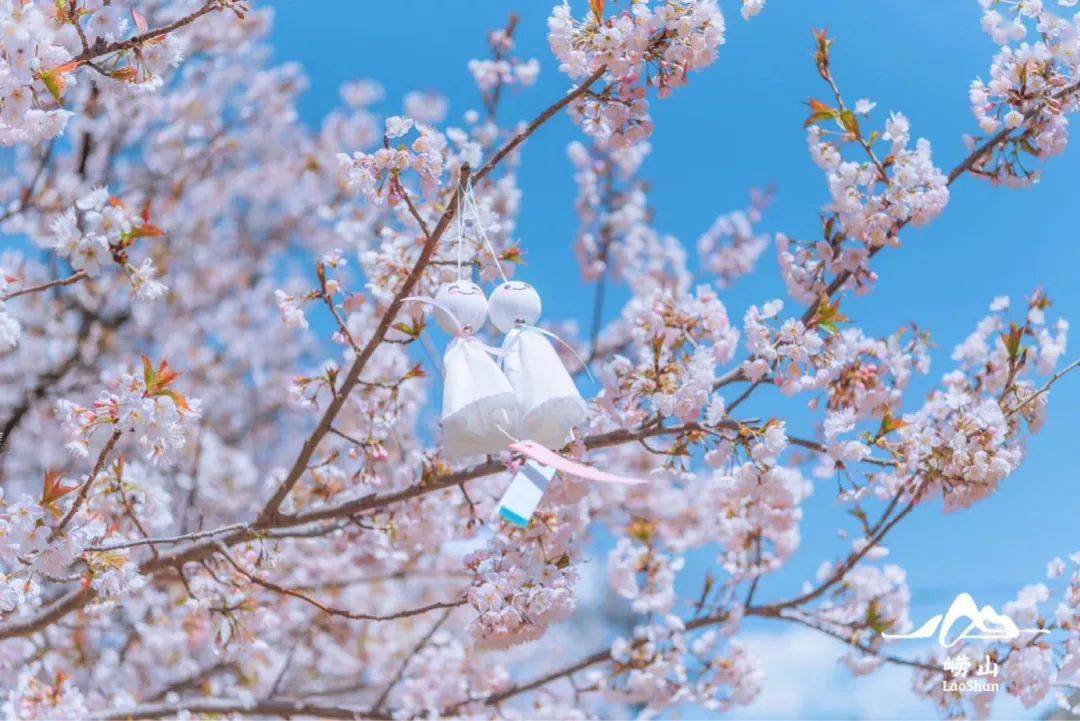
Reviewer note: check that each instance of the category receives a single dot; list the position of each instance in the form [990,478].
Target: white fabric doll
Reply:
[480,408]
[549,403]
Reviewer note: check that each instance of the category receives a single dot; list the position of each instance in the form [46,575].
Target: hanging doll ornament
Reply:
[485,410]
[549,404]
[548,401]
[478,401]
[479,405]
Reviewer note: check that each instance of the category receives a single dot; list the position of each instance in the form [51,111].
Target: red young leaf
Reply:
[53,489]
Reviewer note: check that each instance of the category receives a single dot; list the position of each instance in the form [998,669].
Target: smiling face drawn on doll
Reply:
[514,304]
[466,301]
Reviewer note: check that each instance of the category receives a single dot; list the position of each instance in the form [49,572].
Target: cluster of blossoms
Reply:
[1029,669]
[868,602]
[864,379]
[442,674]
[730,248]
[490,74]
[790,347]
[375,174]
[35,546]
[25,545]
[99,230]
[660,44]
[502,69]
[384,230]
[860,377]
[56,697]
[142,404]
[760,502]
[967,436]
[45,45]
[34,47]
[523,579]
[661,666]
[873,199]
[679,340]
[643,575]
[1032,88]
[1067,618]
[611,205]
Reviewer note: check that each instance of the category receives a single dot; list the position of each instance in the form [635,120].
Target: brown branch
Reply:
[84,490]
[207,542]
[854,643]
[524,687]
[300,465]
[604,655]
[139,40]
[881,528]
[400,673]
[73,278]
[820,448]
[1046,386]
[352,616]
[1001,136]
[241,533]
[282,708]
[167,540]
[521,135]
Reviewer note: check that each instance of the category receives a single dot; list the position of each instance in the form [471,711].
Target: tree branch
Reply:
[73,278]
[84,490]
[282,708]
[300,465]
[138,40]
[271,586]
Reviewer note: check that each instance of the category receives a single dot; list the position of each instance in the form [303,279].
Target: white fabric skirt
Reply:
[548,401]
[477,401]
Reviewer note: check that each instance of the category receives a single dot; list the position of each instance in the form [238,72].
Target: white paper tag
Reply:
[523,495]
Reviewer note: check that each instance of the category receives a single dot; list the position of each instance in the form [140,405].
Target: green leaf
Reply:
[850,123]
[56,85]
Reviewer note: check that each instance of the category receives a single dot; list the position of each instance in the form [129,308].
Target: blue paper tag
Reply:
[523,495]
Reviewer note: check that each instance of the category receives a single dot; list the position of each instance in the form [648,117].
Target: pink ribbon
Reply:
[548,457]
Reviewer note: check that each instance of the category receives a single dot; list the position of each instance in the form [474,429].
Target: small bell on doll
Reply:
[479,404]
[549,403]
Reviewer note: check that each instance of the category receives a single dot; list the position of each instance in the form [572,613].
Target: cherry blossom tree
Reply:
[222,489]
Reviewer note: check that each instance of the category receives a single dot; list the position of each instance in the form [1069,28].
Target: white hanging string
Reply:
[471,197]
[460,230]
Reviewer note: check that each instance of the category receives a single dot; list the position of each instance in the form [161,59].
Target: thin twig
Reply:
[352,616]
[73,278]
[84,489]
[1046,386]
[407,660]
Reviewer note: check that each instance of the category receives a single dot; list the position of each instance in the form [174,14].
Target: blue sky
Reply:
[736,126]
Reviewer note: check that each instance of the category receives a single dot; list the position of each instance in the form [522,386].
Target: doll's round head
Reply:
[466,301]
[514,304]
